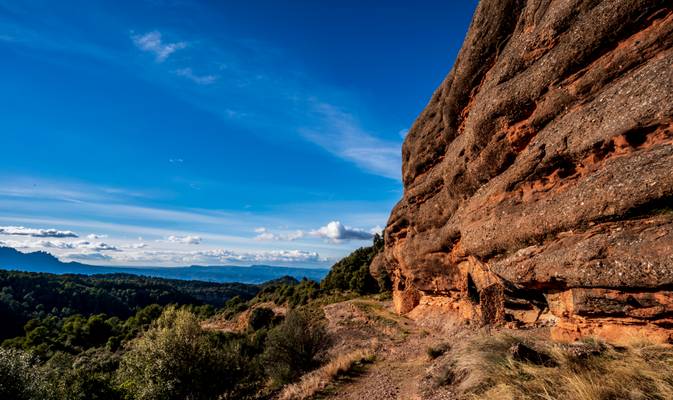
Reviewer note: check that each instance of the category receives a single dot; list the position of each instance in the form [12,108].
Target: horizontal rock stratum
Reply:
[538,181]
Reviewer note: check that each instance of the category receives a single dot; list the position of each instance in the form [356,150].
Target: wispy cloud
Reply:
[151,42]
[111,217]
[218,257]
[340,134]
[58,244]
[87,256]
[198,79]
[36,188]
[23,231]
[185,239]
[331,126]
[246,76]
[135,246]
[265,235]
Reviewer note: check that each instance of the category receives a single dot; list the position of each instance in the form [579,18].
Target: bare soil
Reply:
[401,368]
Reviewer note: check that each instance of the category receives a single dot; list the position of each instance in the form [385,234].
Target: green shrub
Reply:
[88,376]
[296,346]
[20,377]
[176,359]
[260,318]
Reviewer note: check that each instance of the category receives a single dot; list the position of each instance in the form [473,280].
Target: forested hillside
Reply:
[121,336]
[25,296]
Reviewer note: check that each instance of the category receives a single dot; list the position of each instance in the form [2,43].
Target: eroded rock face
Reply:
[539,179]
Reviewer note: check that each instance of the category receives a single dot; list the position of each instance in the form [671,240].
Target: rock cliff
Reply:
[538,181]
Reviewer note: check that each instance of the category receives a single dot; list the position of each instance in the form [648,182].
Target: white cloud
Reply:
[96,246]
[295,235]
[134,253]
[151,42]
[185,239]
[135,246]
[17,244]
[87,256]
[175,160]
[23,231]
[377,230]
[94,236]
[198,79]
[285,256]
[341,135]
[220,256]
[335,231]
[265,235]
[59,244]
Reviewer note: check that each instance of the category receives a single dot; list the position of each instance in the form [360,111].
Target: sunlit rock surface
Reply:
[538,181]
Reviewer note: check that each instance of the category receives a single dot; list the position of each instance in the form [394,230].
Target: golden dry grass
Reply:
[484,368]
[316,381]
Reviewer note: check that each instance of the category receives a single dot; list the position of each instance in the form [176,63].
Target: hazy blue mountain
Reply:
[39,261]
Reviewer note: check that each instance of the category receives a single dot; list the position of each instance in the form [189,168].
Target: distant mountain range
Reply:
[40,261]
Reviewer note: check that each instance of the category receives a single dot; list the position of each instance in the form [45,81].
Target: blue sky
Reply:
[174,132]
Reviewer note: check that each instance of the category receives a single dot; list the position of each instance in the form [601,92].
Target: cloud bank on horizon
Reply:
[137,252]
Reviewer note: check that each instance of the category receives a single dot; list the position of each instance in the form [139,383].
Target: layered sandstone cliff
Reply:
[538,181]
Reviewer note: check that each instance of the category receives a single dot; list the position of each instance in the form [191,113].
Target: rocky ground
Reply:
[401,368]
[436,355]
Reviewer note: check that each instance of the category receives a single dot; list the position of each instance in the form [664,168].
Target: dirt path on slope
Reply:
[400,366]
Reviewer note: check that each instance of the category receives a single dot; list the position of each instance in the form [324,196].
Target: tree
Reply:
[176,359]
[20,377]
[352,272]
[88,376]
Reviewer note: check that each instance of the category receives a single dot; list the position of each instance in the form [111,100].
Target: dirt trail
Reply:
[400,368]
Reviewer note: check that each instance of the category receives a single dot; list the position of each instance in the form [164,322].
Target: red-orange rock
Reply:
[543,164]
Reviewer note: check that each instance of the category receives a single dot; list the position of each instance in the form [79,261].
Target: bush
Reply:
[260,318]
[296,346]
[89,376]
[20,377]
[176,359]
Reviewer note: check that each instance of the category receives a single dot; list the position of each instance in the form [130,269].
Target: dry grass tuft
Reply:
[486,368]
[437,350]
[316,381]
